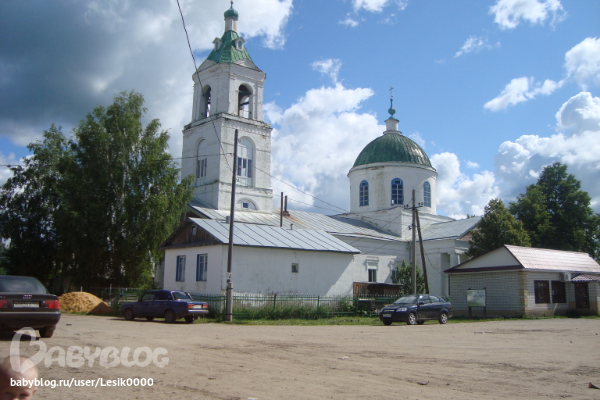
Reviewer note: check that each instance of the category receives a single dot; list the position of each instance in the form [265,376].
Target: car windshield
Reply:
[181,296]
[21,284]
[406,300]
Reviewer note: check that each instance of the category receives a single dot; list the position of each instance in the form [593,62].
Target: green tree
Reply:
[114,195]
[403,276]
[557,213]
[497,227]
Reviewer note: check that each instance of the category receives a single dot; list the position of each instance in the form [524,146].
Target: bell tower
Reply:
[228,95]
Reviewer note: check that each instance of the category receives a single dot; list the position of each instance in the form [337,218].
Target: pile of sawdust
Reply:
[83,302]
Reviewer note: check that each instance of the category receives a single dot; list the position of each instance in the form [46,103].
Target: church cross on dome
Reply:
[392,110]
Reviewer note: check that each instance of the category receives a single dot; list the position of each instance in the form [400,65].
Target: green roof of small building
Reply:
[392,147]
[227,53]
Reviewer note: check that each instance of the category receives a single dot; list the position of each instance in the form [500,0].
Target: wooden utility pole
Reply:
[414,245]
[422,252]
[229,293]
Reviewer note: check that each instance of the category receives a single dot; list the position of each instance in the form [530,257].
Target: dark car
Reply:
[168,304]
[416,309]
[25,302]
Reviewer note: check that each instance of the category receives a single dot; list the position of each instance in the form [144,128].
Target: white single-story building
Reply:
[526,281]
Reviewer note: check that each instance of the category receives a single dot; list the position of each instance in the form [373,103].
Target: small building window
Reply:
[201,267]
[180,269]
[363,194]
[542,292]
[244,102]
[397,192]
[559,292]
[427,194]
[295,268]
[372,275]
[244,162]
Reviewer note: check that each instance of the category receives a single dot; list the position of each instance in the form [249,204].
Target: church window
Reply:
[427,194]
[245,205]
[180,269]
[201,160]
[397,192]
[206,96]
[372,275]
[201,267]
[244,162]
[244,102]
[363,196]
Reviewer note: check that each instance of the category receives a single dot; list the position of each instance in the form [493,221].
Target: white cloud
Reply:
[582,62]
[457,194]
[519,163]
[329,67]
[472,164]
[377,5]
[474,44]
[5,172]
[509,13]
[349,22]
[317,142]
[520,90]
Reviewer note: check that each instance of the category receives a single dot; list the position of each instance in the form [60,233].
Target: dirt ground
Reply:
[520,359]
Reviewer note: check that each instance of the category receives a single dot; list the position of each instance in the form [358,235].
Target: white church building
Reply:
[288,251]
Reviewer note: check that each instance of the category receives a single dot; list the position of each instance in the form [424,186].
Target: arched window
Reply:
[244,102]
[427,194]
[245,205]
[363,194]
[397,192]
[244,162]
[206,101]
[201,160]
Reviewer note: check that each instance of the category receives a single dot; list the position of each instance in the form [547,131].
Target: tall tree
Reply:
[115,195]
[557,213]
[497,227]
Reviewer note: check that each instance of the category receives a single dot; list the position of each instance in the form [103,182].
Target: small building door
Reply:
[582,295]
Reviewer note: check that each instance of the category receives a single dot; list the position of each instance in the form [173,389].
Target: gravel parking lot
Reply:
[518,359]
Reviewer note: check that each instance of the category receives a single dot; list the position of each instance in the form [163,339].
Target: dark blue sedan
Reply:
[416,309]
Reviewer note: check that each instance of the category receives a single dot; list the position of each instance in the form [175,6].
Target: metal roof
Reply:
[254,235]
[392,147]
[586,278]
[559,260]
[335,225]
[448,230]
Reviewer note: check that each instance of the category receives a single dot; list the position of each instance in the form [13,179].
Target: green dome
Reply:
[392,147]
[231,13]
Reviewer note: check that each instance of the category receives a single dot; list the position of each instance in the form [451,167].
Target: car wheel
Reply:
[189,320]
[170,316]
[421,322]
[150,318]
[128,314]
[443,318]
[387,323]
[47,331]
[412,319]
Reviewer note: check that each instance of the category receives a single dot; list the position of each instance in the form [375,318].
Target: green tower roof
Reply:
[392,147]
[231,13]
[227,53]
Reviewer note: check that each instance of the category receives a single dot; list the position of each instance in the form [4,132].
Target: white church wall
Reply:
[441,255]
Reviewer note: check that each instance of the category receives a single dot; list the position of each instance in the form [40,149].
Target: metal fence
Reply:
[294,306]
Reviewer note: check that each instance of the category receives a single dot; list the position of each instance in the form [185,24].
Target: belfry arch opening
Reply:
[244,97]
[206,98]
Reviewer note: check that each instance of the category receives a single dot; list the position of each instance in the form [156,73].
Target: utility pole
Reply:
[422,252]
[229,293]
[414,245]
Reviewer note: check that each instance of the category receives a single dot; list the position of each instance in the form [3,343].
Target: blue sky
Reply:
[492,90]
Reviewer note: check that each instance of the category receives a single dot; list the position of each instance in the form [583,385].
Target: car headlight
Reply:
[401,309]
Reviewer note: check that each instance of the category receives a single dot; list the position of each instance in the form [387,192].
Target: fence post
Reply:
[318,305]
[274,301]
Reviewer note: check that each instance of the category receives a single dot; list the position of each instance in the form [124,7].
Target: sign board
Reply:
[476,298]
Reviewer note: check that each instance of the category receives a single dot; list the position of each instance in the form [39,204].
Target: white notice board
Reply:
[476,298]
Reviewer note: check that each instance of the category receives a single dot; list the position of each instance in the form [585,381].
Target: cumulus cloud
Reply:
[330,67]
[61,59]
[520,90]
[317,140]
[509,13]
[582,62]
[349,22]
[474,44]
[576,143]
[377,5]
[457,193]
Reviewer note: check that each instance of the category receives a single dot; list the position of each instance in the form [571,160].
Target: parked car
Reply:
[168,304]
[416,309]
[25,302]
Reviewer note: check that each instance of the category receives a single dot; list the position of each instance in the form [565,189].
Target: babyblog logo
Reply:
[76,356]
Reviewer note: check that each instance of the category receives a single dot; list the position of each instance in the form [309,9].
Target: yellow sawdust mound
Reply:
[83,302]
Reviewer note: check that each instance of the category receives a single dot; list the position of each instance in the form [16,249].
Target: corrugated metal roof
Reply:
[255,235]
[447,230]
[534,258]
[586,278]
[303,220]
